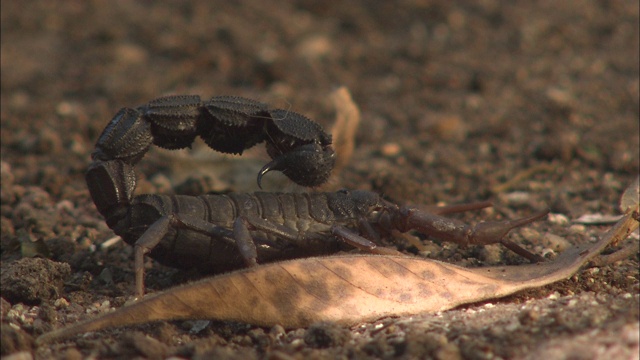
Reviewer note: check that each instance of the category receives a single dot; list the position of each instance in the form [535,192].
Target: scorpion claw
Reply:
[491,231]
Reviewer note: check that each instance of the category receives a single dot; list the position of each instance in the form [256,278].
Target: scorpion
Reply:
[221,232]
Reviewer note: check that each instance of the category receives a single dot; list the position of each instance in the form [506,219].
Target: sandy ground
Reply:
[528,104]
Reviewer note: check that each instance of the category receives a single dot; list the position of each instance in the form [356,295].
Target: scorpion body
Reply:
[298,225]
[217,233]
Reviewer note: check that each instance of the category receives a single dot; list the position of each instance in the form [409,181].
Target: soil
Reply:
[528,104]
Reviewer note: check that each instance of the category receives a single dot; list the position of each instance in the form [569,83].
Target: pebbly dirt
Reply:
[528,104]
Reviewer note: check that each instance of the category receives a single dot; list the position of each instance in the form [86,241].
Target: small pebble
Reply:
[390,149]
[577,229]
[198,325]
[314,48]
[555,242]
[277,331]
[558,219]
[61,303]
[518,198]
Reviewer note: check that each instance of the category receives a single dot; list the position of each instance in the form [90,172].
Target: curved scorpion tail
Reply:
[298,146]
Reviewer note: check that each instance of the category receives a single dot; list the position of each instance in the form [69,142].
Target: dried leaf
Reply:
[631,197]
[629,201]
[597,219]
[343,289]
[344,129]
[630,205]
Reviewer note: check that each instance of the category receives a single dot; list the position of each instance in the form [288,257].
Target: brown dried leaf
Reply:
[343,289]
[631,196]
[597,219]
[345,127]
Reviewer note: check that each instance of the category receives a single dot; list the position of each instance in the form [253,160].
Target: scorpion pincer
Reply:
[216,233]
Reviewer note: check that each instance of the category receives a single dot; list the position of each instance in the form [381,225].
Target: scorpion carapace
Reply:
[216,233]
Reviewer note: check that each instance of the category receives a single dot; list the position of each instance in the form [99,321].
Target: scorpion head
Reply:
[366,202]
[373,208]
[354,204]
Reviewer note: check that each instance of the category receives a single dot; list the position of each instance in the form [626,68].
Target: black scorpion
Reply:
[216,233]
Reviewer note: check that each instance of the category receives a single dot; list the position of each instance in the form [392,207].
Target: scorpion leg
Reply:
[154,234]
[340,232]
[367,231]
[359,242]
[490,232]
[247,247]
[256,223]
[245,243]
